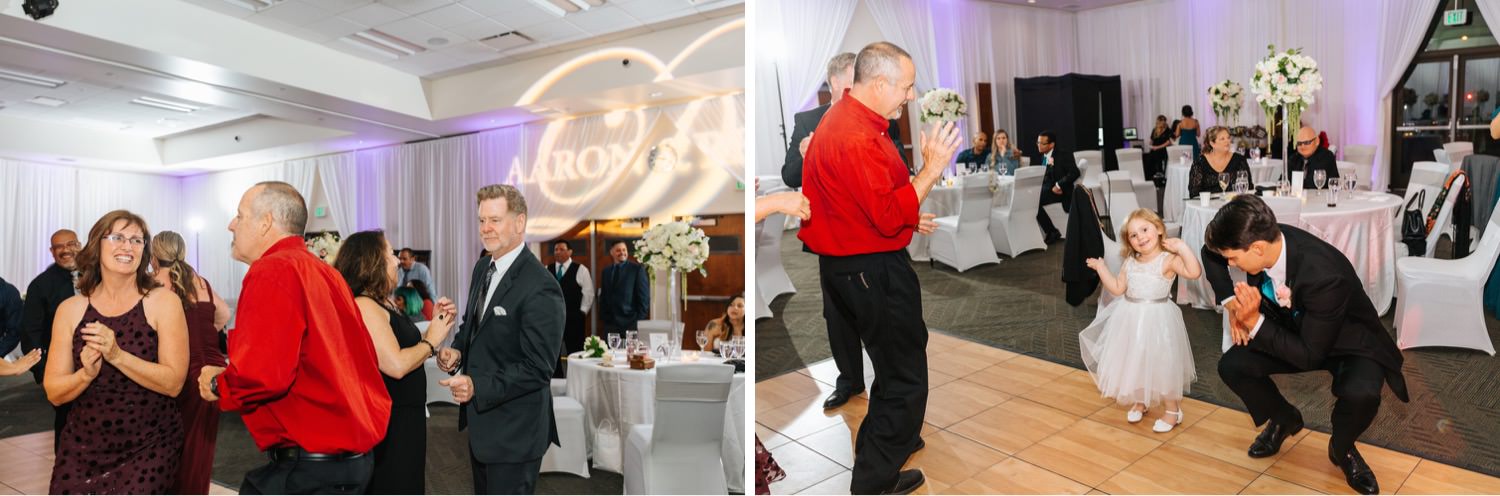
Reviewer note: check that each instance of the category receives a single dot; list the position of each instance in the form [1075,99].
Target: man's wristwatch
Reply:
[213,385]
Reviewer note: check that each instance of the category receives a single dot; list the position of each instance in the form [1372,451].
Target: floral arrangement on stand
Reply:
[325,246]
[1286,79]
[943,105]
[680,248]
[1227,98]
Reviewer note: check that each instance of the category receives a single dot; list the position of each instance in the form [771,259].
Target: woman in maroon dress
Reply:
[206,314]
[127,338]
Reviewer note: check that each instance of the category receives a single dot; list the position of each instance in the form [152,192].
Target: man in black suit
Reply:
[845,345]
[624,291]
[1302,308]
[840,78]
[1311,156]
[43,295]
[578,292]
[1057,183]
[505,350]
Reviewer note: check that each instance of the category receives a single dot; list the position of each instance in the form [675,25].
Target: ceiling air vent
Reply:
[507,41]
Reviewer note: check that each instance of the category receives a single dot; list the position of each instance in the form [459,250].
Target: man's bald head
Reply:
[879,59]
[65,248]
[1306,141]
[884,78]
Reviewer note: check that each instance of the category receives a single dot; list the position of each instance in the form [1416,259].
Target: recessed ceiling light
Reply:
[165,104]
[21,77]
[1030,1]
[558,7]
[46,101]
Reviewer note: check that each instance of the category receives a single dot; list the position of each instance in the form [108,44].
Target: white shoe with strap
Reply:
[1163,427]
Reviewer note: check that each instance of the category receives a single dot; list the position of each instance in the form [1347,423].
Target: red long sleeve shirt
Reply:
[302,366]
[856,185]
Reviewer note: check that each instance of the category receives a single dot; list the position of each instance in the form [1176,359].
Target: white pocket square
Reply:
[500,312]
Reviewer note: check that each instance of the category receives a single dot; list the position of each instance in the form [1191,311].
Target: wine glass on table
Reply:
[614,342]
[1223,182]
[1320,178]
[1349,183]
[702,340]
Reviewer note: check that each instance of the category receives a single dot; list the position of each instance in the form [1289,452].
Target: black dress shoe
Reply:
[1356,472]
[1052,237]
[907,481]
[920,444]
[838,398]
[1269,441]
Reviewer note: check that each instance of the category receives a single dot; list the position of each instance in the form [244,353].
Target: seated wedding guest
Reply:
[1156,154]
[129,337]
[1311,156]
[729,325]
[1057,183]
[302,368]
[409,304]
[425,293]
[206,313]
[1006,157]
[43,295]
[1215,160]
[368,267]
[979,153]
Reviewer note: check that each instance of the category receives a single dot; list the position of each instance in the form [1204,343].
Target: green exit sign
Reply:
[1459,17]
[320,211]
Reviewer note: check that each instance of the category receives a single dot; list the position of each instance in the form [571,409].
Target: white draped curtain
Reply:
[798,38]
[1402,24]
[39,202]
[910,26]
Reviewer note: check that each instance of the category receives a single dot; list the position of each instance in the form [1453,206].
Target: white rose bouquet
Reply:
[674,245]
[1285,79]
[325,246]
[594,346]
[1227,99]
[943,105]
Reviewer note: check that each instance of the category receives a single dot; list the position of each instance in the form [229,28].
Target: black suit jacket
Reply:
[1062,172]
[1331,316]
[1320,160]
[624,295]
[1085,240]
[510,358]
[803,124]
[43,295]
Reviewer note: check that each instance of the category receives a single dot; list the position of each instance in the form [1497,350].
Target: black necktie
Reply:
[478,302]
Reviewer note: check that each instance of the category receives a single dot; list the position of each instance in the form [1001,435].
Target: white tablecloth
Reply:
[1360,228]
[943,201]
[617,398]
[1177,185]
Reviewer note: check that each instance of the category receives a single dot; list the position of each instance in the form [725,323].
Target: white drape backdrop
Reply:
[799,38]
[1400,40]
[35,207]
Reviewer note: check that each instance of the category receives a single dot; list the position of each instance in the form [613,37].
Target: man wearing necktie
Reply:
[625,295]
[578,293]
[1057,183]
[1302,308]
[505,352]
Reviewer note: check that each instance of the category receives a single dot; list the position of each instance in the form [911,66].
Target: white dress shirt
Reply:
[1277,273]
[585,281]
[501,265]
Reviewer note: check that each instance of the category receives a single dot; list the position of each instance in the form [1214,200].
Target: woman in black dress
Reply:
[369,266]
[1156,155]
[125,340]
[1216,159]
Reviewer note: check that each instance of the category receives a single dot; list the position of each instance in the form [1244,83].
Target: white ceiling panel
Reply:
[515,13]
[604,19]
[482,28]
[555,31]
[418,32]
[450,16]
[340,6]
[414,7]
[295,13]
[373,15]
[334,28]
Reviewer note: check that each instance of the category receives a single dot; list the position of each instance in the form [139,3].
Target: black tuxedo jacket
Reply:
[1062,172]
[1321,160]
[1331,316]
[43,296]
[624,295]
[510,358]
[803,124]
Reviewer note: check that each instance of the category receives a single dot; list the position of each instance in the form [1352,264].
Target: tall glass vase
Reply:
[674,313]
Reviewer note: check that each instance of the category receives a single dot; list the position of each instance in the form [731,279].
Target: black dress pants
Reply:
[1048,198]
[1357,382]
[290,476]
[878,295]
[504,478]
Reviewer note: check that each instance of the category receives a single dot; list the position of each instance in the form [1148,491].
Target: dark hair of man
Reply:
[1241,222]
[1051,138]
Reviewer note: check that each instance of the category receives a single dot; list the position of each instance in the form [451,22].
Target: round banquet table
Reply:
[615,399]
[943,201]
[1176,194]
[1361,228]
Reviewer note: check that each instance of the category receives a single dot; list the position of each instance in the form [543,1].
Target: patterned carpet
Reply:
[24,410]
[1017,305]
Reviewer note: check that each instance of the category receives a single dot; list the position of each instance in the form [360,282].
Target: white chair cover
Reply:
[683,457]
[1122,203]
[1347,169]
[573,454]
[646,328]
[1013,228]
[771,279]
[1441,156]
[1437,301]
[962,241]
[1091,169]
[1457,151]
[436,393]
[1130,160]
[1177,153]
[1444,214]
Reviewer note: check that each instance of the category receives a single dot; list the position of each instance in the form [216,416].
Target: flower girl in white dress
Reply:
[1137,347]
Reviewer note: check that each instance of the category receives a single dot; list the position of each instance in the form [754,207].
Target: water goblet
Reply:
[702,339]
[1320,178]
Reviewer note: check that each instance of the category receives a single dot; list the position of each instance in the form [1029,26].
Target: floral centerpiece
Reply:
[1286,79]
[1227,99]
[943,105]
[325,246]
[594,346]
[679,248]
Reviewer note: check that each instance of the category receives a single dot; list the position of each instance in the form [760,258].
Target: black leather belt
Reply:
[296,453]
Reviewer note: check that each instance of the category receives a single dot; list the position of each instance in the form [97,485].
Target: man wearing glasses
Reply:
[1057,183]
[1311,156]
[43,295]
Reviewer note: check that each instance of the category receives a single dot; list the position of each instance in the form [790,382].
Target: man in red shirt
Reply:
[864,212]
[301,364]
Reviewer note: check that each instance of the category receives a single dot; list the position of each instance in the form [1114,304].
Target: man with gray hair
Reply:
[864,213]
[505,350]
[840,78]
[302,369]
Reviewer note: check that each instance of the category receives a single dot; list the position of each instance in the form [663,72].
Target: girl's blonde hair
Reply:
[1126,249]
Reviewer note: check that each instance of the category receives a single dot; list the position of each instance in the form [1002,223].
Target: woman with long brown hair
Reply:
[729,325]
[369,267]
[206,313]
[129,337]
